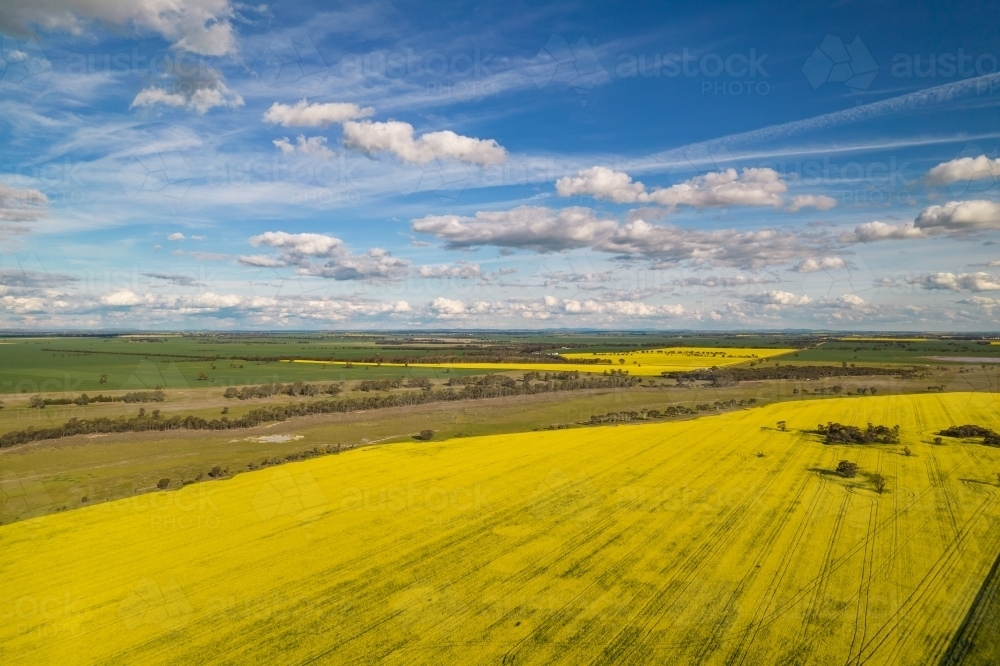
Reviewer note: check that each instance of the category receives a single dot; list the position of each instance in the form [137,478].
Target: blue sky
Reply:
[203,164]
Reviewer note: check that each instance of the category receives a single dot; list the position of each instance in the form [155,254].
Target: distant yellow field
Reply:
[686,356]
[648,363]
[667,543]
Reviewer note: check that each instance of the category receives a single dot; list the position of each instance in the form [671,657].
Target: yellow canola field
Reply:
[703,357]
[663,543]
[648,363]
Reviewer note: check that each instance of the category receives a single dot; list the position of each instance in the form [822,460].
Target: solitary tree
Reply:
[879,482]
[782,426]
[162,484]
[847,469]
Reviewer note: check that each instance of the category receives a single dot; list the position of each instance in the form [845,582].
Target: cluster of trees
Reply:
[837,433]
[731,375]
[298,387]
[990,438]
[420,383]
[484,380]
[387,384]
[379,385]
[824,390]
[671,411]
[271,413]
[625,416]
[38,402]
[300,455]
[847,469]
[563,376]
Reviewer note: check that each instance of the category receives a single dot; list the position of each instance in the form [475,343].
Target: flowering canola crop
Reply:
[661,543]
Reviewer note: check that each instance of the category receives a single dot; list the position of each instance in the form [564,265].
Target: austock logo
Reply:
[288,494]
[975,171]
[22,497]
[42,617]
[560,496]
[290,59]
[835,62]
[445,180]
[150,604]
[148,376]
[23,65]
[162,176]
[575,66]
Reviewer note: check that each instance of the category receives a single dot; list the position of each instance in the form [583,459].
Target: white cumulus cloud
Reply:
[958,282]
[954,218]
[749,187]
[778,298]
[817,201]
[199,92]
[816,265]
[960,216]
[601,183]
[870,232]
[461,269]
[314,145]
[397,137]
[197,26]
[335,261]
[304,114]
[525,227]
[21,204]
[723,247]
[963,169]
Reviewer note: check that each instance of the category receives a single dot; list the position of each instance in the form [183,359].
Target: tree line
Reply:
[157,422]
[668,412]
[731,375]
[296,388]
[38,402]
